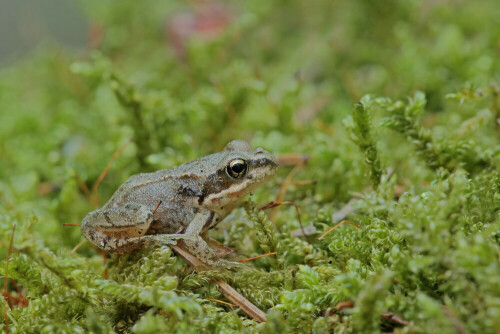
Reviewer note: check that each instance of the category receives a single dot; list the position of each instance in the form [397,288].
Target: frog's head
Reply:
[240,170]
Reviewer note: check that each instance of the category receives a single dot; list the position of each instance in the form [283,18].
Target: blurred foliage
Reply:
[420,154]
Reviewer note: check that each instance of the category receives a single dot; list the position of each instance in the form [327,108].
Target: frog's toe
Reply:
[228,264]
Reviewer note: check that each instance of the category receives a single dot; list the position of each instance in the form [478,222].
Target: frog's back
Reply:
[149,188]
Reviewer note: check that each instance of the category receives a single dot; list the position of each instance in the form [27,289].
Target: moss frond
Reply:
[360,129]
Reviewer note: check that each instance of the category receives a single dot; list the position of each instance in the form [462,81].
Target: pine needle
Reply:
[257,257]
[337,226]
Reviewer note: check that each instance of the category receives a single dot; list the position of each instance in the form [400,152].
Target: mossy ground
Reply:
[287,76]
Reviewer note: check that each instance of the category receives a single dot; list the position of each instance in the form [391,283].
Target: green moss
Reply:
[420,154]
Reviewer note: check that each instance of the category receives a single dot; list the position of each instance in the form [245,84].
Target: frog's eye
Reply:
[236,168]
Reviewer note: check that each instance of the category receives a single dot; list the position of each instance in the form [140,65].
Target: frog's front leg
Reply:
[198,247]
[123,229]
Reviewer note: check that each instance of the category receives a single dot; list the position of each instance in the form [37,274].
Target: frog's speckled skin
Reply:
[195,197]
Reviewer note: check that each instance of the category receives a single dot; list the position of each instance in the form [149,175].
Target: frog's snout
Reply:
[264,165]
[264,158]
[273,162]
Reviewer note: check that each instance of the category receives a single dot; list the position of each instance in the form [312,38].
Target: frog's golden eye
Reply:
[237,168]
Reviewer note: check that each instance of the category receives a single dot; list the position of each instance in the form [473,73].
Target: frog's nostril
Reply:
[267,161]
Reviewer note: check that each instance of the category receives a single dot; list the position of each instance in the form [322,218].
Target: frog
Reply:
[181,203]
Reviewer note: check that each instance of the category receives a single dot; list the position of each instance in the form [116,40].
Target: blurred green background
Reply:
[26,24]
[181,79]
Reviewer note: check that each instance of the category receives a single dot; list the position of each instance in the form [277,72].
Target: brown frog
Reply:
[194,197]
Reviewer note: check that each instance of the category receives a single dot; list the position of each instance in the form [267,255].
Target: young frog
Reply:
[193,197]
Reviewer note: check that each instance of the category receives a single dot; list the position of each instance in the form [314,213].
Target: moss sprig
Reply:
[360,130]
[267,239]
[405,119]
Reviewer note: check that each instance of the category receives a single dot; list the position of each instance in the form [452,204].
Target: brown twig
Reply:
[228,291]
[389,316]
[292,159]
[345,304]
[221,301]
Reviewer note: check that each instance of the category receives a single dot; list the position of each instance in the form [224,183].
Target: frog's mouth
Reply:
[233,195]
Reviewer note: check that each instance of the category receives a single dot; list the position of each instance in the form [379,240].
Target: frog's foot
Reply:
[220,263]
[200,249]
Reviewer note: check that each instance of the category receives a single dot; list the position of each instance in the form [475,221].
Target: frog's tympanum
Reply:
[194,197]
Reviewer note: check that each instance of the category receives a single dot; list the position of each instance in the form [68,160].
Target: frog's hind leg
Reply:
[120,230]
